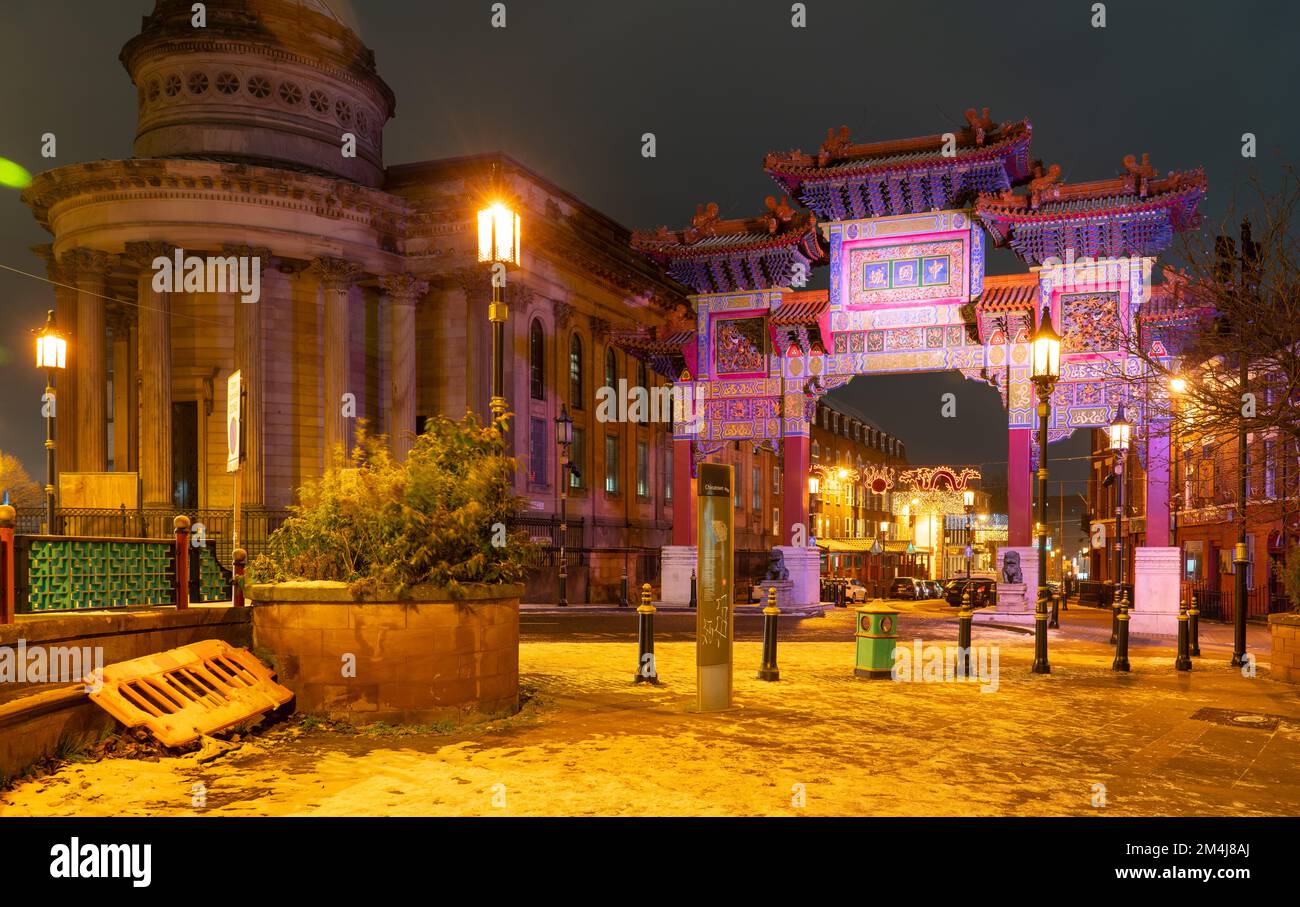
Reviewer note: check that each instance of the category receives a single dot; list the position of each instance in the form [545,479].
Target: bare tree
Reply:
[22,489]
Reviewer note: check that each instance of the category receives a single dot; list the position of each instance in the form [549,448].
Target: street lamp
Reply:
[1046,371]
[880,559]
[498,246]
[968,498]
[1120,431]
[51,355]
[564,438]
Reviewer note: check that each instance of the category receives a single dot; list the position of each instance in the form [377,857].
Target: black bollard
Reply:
[1194,620]
[1041,664]
[693,604]
[1114,614]
[841,590]
[1184,660]
[622,602]
[1121,645]
[964,617]
[768,671]
[645,640]
[1055,622]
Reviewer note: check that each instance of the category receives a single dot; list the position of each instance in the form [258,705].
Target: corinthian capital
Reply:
[142,254]
[335,273]
[261,253]
[52,270]
[87,264]
[405,288]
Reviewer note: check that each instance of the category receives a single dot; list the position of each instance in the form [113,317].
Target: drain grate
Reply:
[1234,718]
[184,693]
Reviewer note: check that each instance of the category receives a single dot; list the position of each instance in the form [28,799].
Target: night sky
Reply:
[569,87]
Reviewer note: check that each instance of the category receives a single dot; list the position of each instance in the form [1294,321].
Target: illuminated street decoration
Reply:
[903,226]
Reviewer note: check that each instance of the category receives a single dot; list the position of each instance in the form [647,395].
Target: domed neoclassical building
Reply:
[369,282]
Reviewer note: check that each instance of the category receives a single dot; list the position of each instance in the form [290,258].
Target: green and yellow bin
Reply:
[877,633]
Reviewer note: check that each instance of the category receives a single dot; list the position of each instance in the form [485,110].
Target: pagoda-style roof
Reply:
[845,180]
[1008,293]
[805,307]
[723,256]
[1175,315]
[798,320]
[1005,306]
[1134,214]
[668,349]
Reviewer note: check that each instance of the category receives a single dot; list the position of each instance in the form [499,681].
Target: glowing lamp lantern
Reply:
[498,235]
[968,498]
[1120,431]
[814,484]
[51,347]
[1047,349]
[564,427]
[1178,385]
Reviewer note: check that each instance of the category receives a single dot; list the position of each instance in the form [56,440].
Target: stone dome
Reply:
[270,82]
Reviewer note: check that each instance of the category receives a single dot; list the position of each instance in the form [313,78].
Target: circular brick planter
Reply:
[1284,660]
[420,659]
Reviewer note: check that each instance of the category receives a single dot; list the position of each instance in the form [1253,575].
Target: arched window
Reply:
[611,370]
[643,381]
[537,361]
[816,450]
[575,372]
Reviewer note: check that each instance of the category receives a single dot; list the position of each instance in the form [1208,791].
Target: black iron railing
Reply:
[1220,603]
[212,526]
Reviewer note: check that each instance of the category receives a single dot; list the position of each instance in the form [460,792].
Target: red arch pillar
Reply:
[794,488]
[1020,478]
[683,493]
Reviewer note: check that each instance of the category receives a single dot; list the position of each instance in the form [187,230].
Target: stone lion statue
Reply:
[1011,572]
[776,569]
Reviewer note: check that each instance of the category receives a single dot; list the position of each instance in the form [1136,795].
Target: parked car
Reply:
[906,587]
[936,588]
[855,591]
[982,592]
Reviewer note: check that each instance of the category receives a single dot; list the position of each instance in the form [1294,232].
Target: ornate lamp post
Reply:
[51,355]
[968,498]
[1121,433]
[564,438]
[498,244]
[880,559]
[1046,371]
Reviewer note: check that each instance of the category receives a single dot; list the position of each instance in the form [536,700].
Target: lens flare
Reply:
[13,175]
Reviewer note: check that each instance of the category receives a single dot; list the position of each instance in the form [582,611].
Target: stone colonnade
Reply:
[85,303]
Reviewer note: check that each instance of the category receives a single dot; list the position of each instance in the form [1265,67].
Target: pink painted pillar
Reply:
[1020,483]
[683,493]
[1158,486]
[794,487]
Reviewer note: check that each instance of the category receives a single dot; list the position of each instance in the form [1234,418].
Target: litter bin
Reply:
[877,635]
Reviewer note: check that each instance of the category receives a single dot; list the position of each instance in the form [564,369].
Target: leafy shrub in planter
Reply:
[1291,577]
[378,523]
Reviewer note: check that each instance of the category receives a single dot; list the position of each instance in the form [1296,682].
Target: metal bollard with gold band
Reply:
[877,636]
[767,670]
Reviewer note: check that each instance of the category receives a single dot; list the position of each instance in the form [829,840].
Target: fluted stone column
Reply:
[121,324]
[335,277]
[401,293]
[154,355]
[249,352]
[90,269]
